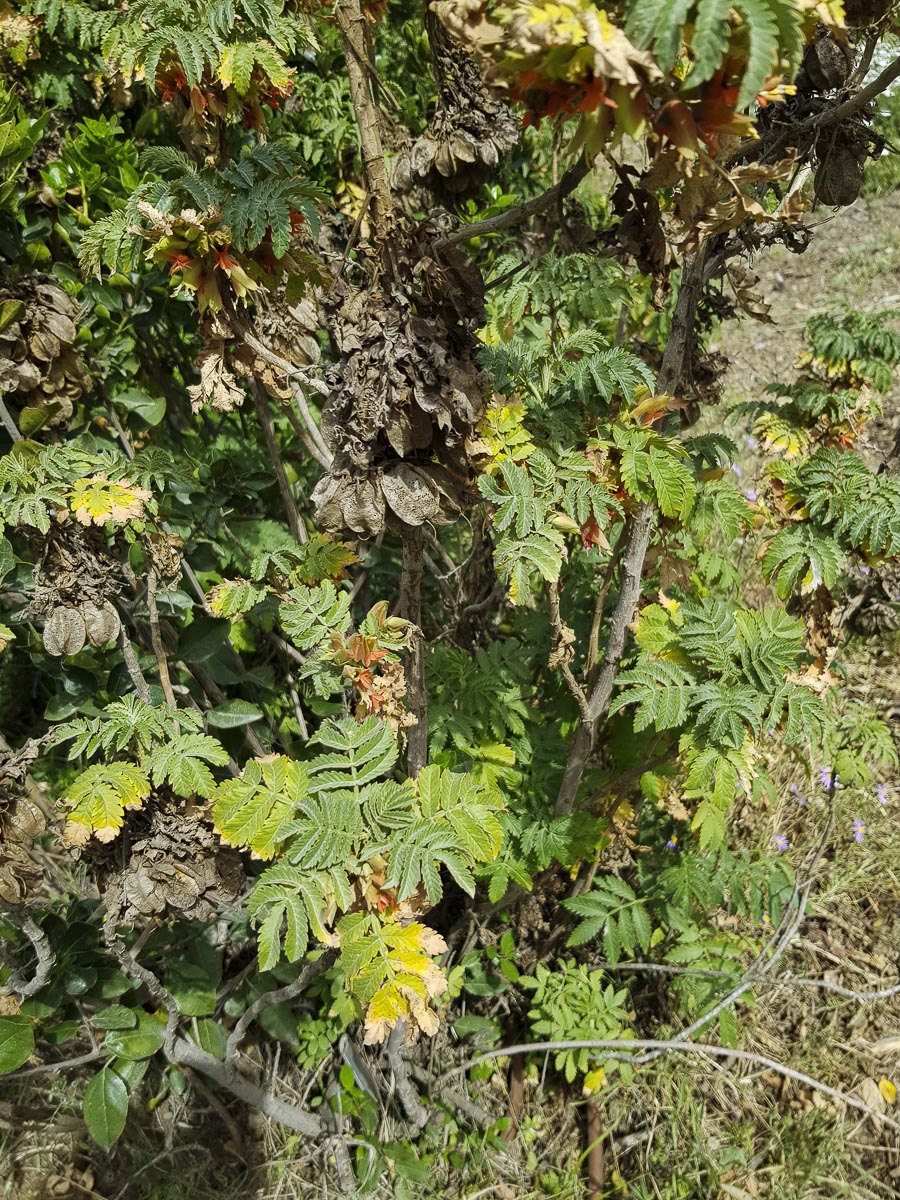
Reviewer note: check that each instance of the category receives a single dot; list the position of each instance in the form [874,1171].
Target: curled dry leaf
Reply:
[217,387]
[750,302]
[38,363]
[408,390]
[470,132]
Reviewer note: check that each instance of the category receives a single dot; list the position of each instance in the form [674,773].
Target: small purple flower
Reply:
[859,829]
[736,468]
[829,781]
[672,843]
[751,495]
[780,842]
[796,794]
[864,570]
[883,793]
[750,441]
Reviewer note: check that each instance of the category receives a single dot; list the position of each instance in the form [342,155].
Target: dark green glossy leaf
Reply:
[211,1037]
[130,1071]
[233,713]
[16,1042]
[105,1108]
[116,1016]
[141,1042]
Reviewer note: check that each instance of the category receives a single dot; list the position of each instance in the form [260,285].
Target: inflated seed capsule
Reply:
[64,632]
[101,622]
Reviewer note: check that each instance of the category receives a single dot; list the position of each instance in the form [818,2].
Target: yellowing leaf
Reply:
[98,799]
[593,1081]
[389,971]
[233,597]
[96,500]
[888,1090]
[386,1008]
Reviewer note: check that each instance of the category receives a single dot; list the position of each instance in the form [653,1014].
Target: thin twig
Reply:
[65,1064]
[411,610]
[242,330]
[620,1045]
[125,441]
[865,60]
[286,648]
[562,653]
[277,996]
[834,116]
[301,428]
[159,649]
[298,711]
[518,212]
[800,981]
[215,695]
[218,1107]
[295,522]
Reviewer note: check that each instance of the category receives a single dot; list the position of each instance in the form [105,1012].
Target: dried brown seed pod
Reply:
[101,622]
[827,63]
[839,177]
[64,632]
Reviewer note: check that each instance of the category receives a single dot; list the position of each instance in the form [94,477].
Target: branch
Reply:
[519,212]
[834,115]
[182,1053]
[186,1054]
[450,1095]
[561,654]
[133,667]
[675,362]
[276,996]
[215,695]
[622,1044]
[244,333]
[8,423]
[43,967]
[295,524]
[352,25]
[801,981]
[598,702]
[412,1105]
[411,610]
[159,650]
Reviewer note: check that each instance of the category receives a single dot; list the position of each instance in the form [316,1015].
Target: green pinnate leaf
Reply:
[251,811]
[184,764]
